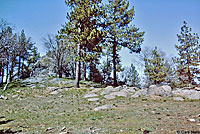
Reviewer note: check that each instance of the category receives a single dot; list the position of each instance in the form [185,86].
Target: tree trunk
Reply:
[78,68]
[19,67]
[84,73]
[2,75]
[11,73]
[60,71]
[114,66]
[7,72]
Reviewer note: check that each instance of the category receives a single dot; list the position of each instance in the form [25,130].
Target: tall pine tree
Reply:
[188,56]
[120,33]
[83,29]
[155,70]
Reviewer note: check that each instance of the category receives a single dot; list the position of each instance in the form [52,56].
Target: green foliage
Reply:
[188,56]
[155,70]
[119,31]
[83,30]
[17,54]
[130,76]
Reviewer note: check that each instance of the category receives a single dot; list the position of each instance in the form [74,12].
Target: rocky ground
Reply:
[52,105]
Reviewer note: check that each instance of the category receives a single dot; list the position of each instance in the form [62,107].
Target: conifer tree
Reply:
[83,29]
[130,76]
[188,56]
[119,31]
[155,70]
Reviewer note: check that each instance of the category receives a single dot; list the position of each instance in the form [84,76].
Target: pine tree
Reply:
[83,29]
[130,76]
[119,31]
[188,59]
[155,70]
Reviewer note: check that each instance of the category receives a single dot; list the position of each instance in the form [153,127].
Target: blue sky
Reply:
[160,19]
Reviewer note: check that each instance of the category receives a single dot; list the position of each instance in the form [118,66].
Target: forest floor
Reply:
[34,111]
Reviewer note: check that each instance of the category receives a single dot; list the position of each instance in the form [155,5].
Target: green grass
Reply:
[37,111]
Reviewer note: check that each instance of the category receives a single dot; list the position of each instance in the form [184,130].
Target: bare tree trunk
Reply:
[78,68]
[7,72]
[114,65]
[2,75]
[85,69]
[19,66]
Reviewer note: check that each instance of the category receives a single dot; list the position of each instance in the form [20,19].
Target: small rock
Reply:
[64,133]
[96,90]
[107,90]
[119,94]
[14,96]
[93,99]
[60,90]
[66,89]
[62,129]
[124,86]
[140,93]
[42,86]
[119,88]
[197,88]
[54,92]
[49,129]
[191,120]
[109,97]
[90,95]
[178,99]
[3,97]
[129,90]
[91,88]
[51,89]
[103,107]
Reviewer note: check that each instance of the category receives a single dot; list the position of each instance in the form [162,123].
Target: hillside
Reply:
[55,106]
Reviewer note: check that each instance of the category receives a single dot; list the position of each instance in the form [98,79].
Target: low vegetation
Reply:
[35,110]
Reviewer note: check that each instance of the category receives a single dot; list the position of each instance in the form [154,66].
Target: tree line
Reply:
[95,31]
[90,41]
[87,47]
[17,54]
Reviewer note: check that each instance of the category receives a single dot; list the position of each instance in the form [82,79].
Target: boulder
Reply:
[109,97]
[96,90]
[56,80]
[93,99]
[107,90]
[160,91]
[103,107]
[190,94]
[119,88]
[90,95]
[129,90]
[178,99]
[120,94]
[142,92]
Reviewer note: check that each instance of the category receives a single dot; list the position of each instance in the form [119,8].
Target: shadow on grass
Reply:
[7,131]
[5,122]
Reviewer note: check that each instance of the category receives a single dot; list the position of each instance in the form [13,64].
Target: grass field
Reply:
[34,111]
